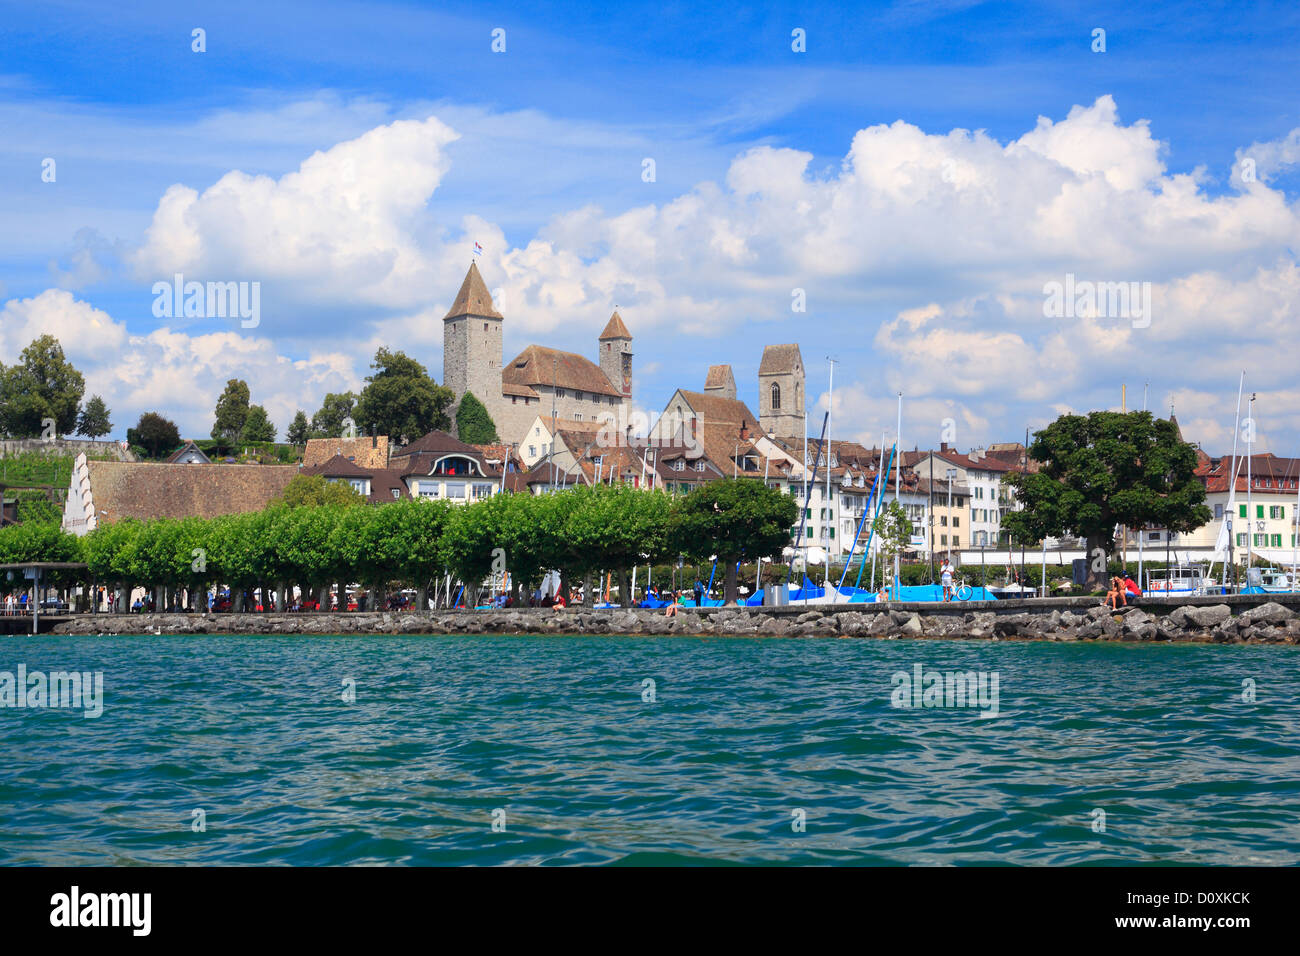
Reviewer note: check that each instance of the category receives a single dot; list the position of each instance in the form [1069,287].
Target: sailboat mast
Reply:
[830,507]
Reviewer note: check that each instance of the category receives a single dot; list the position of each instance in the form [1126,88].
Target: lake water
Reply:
[741,751]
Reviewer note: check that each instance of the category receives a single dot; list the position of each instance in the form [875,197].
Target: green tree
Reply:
[158,436]
[892,530]
[314,490]
[257,426]
[1105,469]
[299,430]
[734,518]
[401,400]
[328,421]
[231,413]
[43,386]
[94,418]
[474,425]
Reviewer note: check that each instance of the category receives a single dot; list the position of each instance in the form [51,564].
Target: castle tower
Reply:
[781,391]
[616,355]
[471,344]
[720,382]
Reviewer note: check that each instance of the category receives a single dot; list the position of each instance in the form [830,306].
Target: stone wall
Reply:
[65,446]
[1264,619]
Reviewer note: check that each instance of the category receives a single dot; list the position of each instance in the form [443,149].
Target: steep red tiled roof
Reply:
[779,358]
[538,365]
[473,298]
[615,329]
[438,442]
[719,376]
[337,467]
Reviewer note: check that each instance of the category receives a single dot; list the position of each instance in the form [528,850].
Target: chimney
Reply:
[744,431]
[694,427]
[943,446]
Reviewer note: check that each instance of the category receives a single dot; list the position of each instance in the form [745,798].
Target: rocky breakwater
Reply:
[1263,619]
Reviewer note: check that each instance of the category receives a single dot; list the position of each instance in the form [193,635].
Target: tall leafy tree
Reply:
[158,436]
[892,530]
[734,518]
[473,423]
[94,418]
[257,426]
[299,430]
[1102,470]
[44,385]
[401,400]
[328,421]
[231,413]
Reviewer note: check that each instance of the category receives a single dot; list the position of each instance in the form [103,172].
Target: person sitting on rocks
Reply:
[1115,596]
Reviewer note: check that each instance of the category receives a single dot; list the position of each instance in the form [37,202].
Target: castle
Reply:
[536,380]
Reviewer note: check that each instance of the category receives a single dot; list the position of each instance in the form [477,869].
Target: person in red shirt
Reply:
[1131,586]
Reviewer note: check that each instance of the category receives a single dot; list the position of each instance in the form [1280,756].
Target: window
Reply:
[577,416]
[1276,511]
[427,489]
[943,520]
[699,465]
[397,492]
[578,396]
[679,464]
[358,485]
[532,451]
[956,521]
[1241,540]
[1153,535]
[1277,541]
[1241,511]
[559,393]
[1218,511]
[514,399]
[956,540]
[456,489]
[776,397]
[943,539]
[482,490]
[1259,511]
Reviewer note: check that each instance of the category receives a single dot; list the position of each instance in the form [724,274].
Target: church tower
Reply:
[472,345]
[781,391]
[616,355]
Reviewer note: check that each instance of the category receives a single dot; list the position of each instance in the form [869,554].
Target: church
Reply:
[536,380]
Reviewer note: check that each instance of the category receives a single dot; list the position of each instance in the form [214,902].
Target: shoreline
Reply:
[1235,619]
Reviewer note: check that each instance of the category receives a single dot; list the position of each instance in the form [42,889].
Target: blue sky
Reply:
[546,170]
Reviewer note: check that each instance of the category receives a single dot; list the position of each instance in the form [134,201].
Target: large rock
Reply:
[1270,613]
[912,626]
[1207,617]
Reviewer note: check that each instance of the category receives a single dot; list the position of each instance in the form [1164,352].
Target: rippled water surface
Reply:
[742,733]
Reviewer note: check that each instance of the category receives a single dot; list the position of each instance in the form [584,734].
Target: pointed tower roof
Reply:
[473,298]
[615,329]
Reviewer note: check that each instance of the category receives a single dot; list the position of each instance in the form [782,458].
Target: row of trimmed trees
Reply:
[578,533]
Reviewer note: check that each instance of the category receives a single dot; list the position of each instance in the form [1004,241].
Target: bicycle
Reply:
[961,591]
